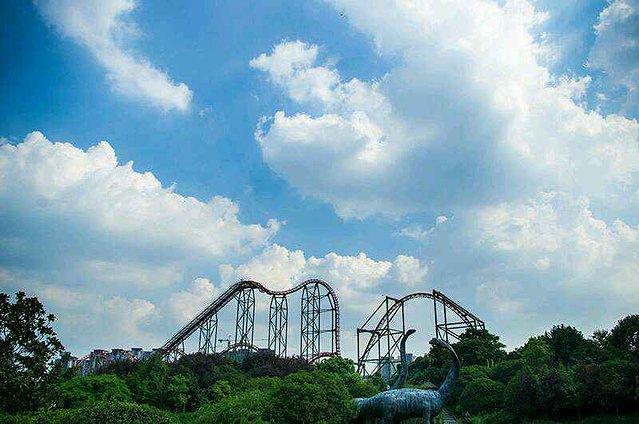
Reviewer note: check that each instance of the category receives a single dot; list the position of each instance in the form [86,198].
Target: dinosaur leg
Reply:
[428,417]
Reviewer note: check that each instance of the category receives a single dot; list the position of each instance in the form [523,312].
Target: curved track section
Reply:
[313,294]
[378,354]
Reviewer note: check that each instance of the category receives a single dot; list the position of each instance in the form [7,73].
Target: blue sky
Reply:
[487,149]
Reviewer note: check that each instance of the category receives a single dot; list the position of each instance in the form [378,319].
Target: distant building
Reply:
[97,359]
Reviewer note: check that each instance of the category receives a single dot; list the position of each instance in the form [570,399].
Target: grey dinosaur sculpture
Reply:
[397,404]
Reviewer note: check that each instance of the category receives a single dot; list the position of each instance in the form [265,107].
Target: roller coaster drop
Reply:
[318,299]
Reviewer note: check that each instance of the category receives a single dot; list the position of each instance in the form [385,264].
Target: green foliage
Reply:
[614,382]
[482,395]
[624,337]
[243,408]
[28,345]
[81,390]
[218,391]
[344,369]
[536,352]
[148,380]
[557,391]
[479,347]
[567,344]
[311,397]
[504,371]
[268,365]
[466,376]
[176,391]
[98,413]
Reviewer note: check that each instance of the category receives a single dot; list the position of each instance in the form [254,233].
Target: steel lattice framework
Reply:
[318,299]
[207,342]
[385,334]
[245,316]
[278,325]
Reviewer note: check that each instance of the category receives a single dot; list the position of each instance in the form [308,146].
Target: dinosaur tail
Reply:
[403,373]
[446,388]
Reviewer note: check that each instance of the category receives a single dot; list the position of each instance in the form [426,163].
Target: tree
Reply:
[264,364]
[93,388]
[148,380]
[567,344]
[466,376]
[344,369]
[243,408]
[176,392]
[505,370]
[624,337]
[28,346]
[557,391]
[311,397]
[482,395]
[479,347]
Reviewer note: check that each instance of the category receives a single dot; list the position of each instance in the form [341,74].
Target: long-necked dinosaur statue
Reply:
[397,404]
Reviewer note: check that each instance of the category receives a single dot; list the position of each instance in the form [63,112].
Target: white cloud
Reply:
[98,321]
[102,27]
[409,270]
[556,231]
[185,305]
[105,245]
[470,120]
[616,49]
[467,117]
[88,193]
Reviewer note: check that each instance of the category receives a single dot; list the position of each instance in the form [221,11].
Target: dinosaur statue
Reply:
[397,404]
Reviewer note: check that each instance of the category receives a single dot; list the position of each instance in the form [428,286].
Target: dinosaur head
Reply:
[438,342]
[411,331]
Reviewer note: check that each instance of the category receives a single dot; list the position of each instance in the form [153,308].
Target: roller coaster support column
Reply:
[245,316]
[208,335]
[310,321]
[278,325]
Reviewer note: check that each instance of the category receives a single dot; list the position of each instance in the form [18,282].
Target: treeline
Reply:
[560,374]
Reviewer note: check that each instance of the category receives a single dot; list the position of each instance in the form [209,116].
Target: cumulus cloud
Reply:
[88,194]
[91,319]
[102,27]
[469,120]
[467,117]
[185,305]
[616,49]
[106,244]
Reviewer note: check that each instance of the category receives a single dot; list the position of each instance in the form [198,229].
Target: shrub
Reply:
[311,397]
[246,407]
[98,413]
[93,388]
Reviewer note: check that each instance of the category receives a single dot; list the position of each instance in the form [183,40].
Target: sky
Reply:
[153,153]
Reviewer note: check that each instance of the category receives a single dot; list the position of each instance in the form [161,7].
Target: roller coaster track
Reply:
[383,331]
[243,292]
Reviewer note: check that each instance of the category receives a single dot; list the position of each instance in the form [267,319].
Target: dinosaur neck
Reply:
[403,373]
[446,388]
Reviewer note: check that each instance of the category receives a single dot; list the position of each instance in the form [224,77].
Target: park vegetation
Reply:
[560,375]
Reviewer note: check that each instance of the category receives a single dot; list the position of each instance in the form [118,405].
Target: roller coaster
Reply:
[379,337]
[318,300]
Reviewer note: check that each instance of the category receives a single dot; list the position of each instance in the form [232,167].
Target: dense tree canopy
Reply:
[28,346]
